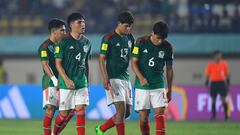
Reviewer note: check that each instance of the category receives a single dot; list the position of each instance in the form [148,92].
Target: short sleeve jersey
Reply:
[46,53]
[151,62]
[217,71]
[117,48]
[74,54]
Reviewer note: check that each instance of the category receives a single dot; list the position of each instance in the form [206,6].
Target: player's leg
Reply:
[128,99]
[159,102]
[47,121]
[120,117]
[68,118]
[81,119]
[144,122]
[223,94]
[116,96]
[213,94]
[65,104]
[160,120]
[142,105]
[81,101]
[49,104]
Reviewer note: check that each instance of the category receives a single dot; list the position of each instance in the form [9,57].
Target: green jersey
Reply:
[74,54]
[117,48]
[151,61]
[46,53]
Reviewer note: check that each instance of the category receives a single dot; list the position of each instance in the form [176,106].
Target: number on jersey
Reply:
[151,62]
[78,57]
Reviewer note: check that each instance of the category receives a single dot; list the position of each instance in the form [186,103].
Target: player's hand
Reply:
[54,80]
[106,83]
[144,81]
[70,84]
[169,96]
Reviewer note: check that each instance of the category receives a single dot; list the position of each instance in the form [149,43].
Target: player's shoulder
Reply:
[45,44]
[224,62]
[66,37]
[142,39]
[168,45]
[84,37]
[108,36]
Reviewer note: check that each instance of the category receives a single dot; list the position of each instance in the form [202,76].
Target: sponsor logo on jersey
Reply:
[129,44]
[161,54]
[145,51]
[71,47]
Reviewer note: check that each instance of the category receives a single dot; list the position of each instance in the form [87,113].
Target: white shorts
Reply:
[145,98]
[121,91]
[50,97]
[70,98]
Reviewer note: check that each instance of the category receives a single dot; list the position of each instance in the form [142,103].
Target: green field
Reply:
[34,127]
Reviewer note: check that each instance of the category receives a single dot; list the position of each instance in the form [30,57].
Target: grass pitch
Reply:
[34,127]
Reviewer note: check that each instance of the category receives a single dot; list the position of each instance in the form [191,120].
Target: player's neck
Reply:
[52,39]
[118,31]
[76,36]
[155,42]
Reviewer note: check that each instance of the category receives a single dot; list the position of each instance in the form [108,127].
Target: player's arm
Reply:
[135,68]
[87,65]
[62,72]
[42,52]
[169,73]
[49,72]
[102,62]
[58,60]
[207,72]
[134,64]
[102,59]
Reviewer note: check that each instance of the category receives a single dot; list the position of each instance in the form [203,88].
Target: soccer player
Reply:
[115,51]
[46,52]
[217,75]
[149,56]
[72,64]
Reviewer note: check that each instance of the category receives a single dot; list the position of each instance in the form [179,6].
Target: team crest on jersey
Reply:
[129,44]
[51,48]
[85,48]
[161,54]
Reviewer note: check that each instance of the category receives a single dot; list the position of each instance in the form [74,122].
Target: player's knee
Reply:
[50,109]
[128,113]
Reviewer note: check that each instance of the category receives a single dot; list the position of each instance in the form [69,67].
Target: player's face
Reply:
[125,28]
[78,26]
[60,33]
[156,38]
[218,57]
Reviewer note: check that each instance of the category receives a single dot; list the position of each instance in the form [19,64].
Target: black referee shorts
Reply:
[218,88]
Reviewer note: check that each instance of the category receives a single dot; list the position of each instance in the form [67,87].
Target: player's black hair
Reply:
[55,23]
[73,17]
[161,29]
[126,17]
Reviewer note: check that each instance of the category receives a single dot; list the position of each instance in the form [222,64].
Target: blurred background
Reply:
[197,28]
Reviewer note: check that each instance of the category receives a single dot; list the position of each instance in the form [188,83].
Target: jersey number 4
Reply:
[78,57]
